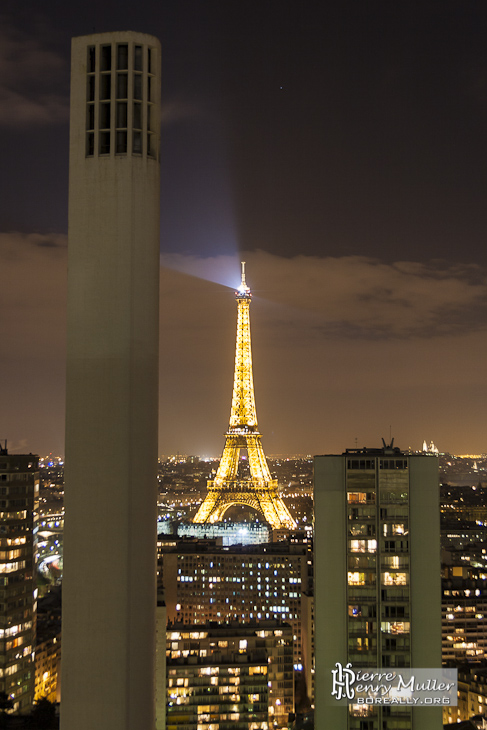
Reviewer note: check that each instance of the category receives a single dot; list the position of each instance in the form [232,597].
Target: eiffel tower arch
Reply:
[230,487]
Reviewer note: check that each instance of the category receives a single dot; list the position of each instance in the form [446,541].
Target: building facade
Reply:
[464,618]
[377,577]
[235,676]
[47,665]
[203,582]
[472,697]
[48,646]
[112,383]
[19,499]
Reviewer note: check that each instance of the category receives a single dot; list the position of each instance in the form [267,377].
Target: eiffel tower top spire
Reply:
[243,289]
[243,415]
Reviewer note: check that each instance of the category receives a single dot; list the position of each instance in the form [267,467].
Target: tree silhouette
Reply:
[6,703]
[44,714]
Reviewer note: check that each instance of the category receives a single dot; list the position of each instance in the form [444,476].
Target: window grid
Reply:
[120,100]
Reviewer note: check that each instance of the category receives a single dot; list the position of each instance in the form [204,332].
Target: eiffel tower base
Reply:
[266,501]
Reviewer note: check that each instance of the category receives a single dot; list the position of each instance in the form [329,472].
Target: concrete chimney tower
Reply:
[109,591]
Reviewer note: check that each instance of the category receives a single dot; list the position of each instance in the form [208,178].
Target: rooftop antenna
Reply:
[244,283]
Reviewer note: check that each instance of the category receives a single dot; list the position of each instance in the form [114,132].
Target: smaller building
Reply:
[205,582]
[19,498]
[308,623]
[48,647]
[464,612]
[224,676]
[230,533]
[472,698]
[48,657]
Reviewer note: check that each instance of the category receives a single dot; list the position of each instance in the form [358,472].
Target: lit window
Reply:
[356,579]
[395,627]
[357,497]
[363,546]
[394,579]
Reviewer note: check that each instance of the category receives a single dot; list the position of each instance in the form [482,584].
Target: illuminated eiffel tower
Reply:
[229,487]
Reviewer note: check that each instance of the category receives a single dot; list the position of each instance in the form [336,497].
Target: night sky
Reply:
[340,149]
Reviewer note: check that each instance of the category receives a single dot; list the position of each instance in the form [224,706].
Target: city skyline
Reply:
[341,154]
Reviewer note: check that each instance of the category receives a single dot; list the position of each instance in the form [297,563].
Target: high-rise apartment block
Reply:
[377,577]
[235,676]
[109,592]
[203,582]
[464,616]
[19,497]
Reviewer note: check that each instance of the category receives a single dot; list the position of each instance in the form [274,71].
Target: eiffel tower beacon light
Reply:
[230,487]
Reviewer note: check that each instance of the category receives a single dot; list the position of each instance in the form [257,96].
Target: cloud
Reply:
[352,296]
[31,76]
[345,298]
[33,292]
[176,110]
[33,334]
[342,347]
[20,109]
[22,246]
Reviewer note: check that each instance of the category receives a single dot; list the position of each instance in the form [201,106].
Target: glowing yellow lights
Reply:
[259,491]
[394,579]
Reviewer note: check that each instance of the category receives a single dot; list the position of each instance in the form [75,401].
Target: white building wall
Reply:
[425,576]
[109,598]
[330,566]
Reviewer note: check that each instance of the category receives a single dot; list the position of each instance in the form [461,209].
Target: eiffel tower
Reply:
[230,487]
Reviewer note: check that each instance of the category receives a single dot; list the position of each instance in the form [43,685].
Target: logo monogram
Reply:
[343,678]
